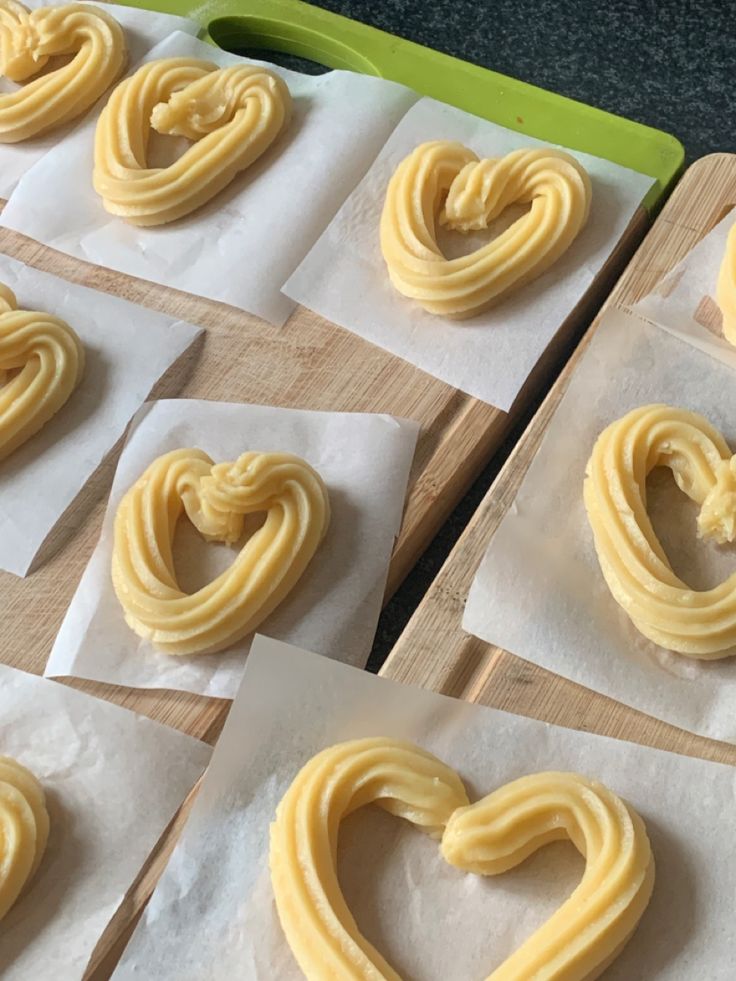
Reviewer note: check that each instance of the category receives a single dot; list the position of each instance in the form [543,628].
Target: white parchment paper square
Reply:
[365,462]
[489,356]
[127,349]
[113,781]
[539,591]
[242,245]
[684,300]
[143,29]
[213,915]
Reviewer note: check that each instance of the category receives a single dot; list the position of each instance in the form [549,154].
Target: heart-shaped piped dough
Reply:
[701,624]
[216,499]
[489,837]
[232,114]
[41,363]
[445,182]
[587,932]
[29,38]
[726,287]
[24,829]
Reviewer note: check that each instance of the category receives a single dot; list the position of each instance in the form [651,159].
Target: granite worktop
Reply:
[666,63]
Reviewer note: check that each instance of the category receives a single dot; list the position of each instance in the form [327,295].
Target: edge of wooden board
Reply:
[435,652]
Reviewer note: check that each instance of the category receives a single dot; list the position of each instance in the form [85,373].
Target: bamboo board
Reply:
[434,651]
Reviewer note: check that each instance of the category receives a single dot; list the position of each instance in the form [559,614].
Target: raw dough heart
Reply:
[233,115]
[701,624]
[29,38]
[49,360]
[216,498]
[488,837]
[474,192]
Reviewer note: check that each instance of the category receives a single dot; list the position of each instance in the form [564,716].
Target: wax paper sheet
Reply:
[344,277]
[113,780]
[684,300]
[539,591]
[364,461]
[213,914]
[127,349]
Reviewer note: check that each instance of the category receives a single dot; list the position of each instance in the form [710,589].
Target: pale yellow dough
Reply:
[232,114]
[24,829]
[48,359]
[400,778]
[446,182]
[589,930]
[701,624]
[489,837]
[726,287]
[29,38]
[216,498]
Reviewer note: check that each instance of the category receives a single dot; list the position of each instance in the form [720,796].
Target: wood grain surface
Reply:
[435,652]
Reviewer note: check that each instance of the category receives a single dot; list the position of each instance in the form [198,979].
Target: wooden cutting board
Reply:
[310,364]
[435,652]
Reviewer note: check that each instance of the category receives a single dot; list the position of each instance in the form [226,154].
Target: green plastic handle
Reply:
[297,28]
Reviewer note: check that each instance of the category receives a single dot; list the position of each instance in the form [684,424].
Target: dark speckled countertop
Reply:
[668,64]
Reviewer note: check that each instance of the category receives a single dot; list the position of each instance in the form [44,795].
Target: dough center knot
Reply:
[22,55]
[205,105]
[473,198]
[223,497]
[717,518]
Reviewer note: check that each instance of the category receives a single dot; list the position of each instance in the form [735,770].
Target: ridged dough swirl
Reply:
[29,38]
[400,778]
[446,182]
[233,114]
[701,624]
[588,931]
[488,837]
[24,829]
[48,359]
[726,287]
[216,498]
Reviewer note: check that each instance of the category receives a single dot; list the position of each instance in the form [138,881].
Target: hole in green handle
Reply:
[260,36]
[282,58]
